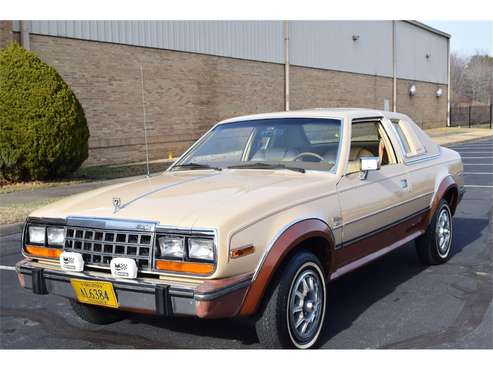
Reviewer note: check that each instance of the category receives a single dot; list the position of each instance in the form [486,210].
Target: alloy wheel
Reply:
[444,232]
[306,306]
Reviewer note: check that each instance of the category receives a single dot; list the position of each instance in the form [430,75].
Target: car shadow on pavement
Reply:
[352,294]
[466,231]
[241,330]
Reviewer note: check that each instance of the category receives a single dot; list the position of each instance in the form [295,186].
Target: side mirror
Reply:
[368,164]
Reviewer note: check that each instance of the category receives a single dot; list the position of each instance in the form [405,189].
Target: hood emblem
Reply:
[117,204]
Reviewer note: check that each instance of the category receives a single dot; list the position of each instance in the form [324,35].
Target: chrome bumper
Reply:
[213,299]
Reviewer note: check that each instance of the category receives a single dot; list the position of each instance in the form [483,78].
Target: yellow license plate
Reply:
[100,293]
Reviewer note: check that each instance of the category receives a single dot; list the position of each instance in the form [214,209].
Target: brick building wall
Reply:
[324,88]
[425,108]
[186,93]
[6,34]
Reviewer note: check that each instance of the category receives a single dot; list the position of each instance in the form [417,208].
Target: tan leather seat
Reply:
[354,155]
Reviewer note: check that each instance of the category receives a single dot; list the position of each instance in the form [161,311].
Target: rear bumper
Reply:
[211,299]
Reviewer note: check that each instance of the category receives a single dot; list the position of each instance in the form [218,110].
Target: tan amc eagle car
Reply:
[255,219]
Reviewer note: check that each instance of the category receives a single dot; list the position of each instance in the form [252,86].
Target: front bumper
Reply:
[209,299]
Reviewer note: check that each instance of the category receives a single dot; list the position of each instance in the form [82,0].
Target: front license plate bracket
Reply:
[100,293]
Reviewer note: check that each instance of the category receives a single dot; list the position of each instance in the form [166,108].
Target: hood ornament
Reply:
[117,204]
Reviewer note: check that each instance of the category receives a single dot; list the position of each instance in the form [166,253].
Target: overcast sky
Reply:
[467,36]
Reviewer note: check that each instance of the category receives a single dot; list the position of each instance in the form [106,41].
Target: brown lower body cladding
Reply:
[187,93]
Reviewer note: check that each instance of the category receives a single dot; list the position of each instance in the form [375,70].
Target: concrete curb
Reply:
[11,229]
[466,141]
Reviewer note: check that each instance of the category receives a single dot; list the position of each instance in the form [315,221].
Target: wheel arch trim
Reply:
[284,241]
[446,184]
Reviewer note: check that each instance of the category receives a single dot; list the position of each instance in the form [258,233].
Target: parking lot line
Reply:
[476,157]
[472,145]
[478,173]
[489,152]
[478,186]
[475,147]
[478,164]
[7,268]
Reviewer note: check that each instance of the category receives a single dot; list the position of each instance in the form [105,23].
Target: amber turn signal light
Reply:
[190,267]
[43,251]
[242,251]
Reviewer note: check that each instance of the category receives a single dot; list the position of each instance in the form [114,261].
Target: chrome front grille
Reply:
[99,246]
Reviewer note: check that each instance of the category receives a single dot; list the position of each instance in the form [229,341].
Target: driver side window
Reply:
[368,139]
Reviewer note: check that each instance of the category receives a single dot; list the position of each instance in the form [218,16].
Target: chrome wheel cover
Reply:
[306,305]
[443,232]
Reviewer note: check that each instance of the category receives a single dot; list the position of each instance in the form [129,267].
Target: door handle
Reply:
[404,184]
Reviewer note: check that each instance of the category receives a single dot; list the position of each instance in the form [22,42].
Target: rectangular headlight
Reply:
[171,247]
[37,234]
[202,249]
[56,236]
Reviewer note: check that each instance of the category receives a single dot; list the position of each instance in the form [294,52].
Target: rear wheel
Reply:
[94,314]
[435,245]
[294,311]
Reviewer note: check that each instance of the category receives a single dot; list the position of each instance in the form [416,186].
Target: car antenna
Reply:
[144,112]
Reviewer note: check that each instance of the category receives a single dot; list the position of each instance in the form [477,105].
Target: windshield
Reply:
[302,143]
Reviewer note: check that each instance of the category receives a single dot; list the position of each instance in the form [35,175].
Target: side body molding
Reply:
[281,247]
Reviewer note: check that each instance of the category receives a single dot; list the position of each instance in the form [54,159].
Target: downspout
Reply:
[448,82]
[286,66]
[394,69]
[25,41]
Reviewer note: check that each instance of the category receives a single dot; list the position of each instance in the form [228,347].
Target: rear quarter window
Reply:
[411,144]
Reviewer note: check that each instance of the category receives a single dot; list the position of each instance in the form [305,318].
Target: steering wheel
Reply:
[319,157]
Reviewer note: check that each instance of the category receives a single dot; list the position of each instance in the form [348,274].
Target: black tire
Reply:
[94,314]
[428,246]
[275,322]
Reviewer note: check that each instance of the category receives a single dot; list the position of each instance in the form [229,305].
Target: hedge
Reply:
[44,132]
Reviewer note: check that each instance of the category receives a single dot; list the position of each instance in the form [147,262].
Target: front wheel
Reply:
[294,310]
[435,245]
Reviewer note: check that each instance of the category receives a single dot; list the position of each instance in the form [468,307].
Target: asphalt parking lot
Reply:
[392,303]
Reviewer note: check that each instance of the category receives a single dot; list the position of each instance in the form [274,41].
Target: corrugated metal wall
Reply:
[330,45]
[254,40]
[315,44]
[413,45]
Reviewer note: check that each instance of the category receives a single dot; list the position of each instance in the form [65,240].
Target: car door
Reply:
[373,205]
[422,171]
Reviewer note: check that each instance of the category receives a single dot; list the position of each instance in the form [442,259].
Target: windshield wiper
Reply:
[267,166]
[197,166]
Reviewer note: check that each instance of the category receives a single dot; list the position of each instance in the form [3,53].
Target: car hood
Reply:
[194,198]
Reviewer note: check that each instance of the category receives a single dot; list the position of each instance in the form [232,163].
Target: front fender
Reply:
[276,253]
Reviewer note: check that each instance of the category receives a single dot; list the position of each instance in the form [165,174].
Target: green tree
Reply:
[43,130]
